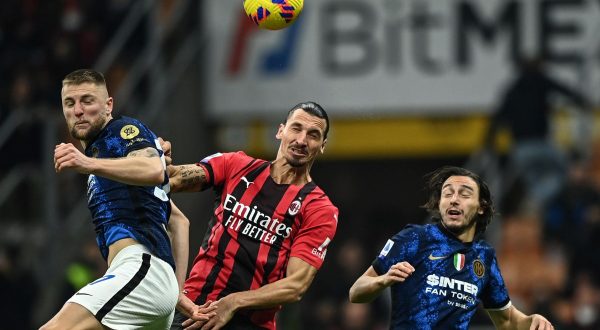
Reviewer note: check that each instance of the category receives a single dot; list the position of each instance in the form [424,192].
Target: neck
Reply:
[283,173]
[466,235]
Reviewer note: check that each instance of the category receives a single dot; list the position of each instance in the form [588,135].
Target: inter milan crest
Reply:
[459,261]
[294,207]
[128,132]
[478,268]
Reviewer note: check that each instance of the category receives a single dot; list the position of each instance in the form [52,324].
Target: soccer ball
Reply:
[273,14]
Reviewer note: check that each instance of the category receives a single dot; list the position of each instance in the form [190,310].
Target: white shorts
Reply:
[138,291]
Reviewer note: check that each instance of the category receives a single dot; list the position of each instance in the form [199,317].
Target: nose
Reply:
[301,138]
[454,198]
[78,109]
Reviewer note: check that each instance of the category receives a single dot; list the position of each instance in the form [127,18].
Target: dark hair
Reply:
[82,76]
[314,109]
[435,181]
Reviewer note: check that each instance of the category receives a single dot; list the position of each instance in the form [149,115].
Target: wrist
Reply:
[237,301]
[92,166]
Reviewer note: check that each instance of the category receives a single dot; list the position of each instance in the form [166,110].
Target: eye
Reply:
[87,100]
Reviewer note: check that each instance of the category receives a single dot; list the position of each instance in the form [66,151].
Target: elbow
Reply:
[356,297]
[157,176]
[182,221]
[353,297]
[298,293]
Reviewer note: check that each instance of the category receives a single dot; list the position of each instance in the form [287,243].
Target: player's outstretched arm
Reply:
[189,177]
[179,230]
[141,167]
[369,285]
[512,318]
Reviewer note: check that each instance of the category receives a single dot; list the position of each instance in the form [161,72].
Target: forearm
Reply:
[179,232]
[512,318]
[138,171]
[286,290]
[271,295]
[366,288]
[189,177]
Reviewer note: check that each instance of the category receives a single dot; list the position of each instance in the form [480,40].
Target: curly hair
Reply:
[435,181]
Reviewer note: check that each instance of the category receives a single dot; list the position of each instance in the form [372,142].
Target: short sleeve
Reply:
[495,294]
[317,231]
[135,135]
[220,166]
[401,247]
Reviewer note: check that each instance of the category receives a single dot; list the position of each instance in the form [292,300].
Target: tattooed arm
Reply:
[189,177]
[141,167]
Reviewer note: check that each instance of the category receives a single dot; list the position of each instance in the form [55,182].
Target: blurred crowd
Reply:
[545,233]
[40,41]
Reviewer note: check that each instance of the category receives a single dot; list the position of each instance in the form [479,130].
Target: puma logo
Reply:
[248,183]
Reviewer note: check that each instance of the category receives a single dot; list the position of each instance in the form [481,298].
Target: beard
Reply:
[295,162]
[458,229]
[90,133]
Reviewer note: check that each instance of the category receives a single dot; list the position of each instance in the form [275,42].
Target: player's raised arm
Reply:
[369,285]
[141,167]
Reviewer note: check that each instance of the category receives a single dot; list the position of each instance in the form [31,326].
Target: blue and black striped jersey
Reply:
[125,211]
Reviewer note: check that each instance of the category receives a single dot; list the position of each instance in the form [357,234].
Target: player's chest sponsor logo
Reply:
[252,221]
[458,293]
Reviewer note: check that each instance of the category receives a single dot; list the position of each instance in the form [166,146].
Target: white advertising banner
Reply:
[390,57]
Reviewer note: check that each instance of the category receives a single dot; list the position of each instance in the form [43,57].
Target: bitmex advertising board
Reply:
[393,57]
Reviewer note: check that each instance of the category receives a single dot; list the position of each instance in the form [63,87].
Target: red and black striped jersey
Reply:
[256,227]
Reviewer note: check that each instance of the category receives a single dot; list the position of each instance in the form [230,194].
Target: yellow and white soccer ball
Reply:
[273,14]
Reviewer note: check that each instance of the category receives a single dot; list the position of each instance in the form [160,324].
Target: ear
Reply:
[109,105]
[279,132]
[480,210]
[323,146]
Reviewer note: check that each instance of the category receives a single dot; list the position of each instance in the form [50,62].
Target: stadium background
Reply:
[409,85]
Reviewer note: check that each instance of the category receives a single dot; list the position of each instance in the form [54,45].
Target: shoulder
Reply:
[128,128]
[318,200]
[121,121]
[483,245]
[233,158]
[411,230]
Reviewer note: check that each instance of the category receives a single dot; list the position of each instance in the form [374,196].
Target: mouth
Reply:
[81,123]
[298,152]
[454,213]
